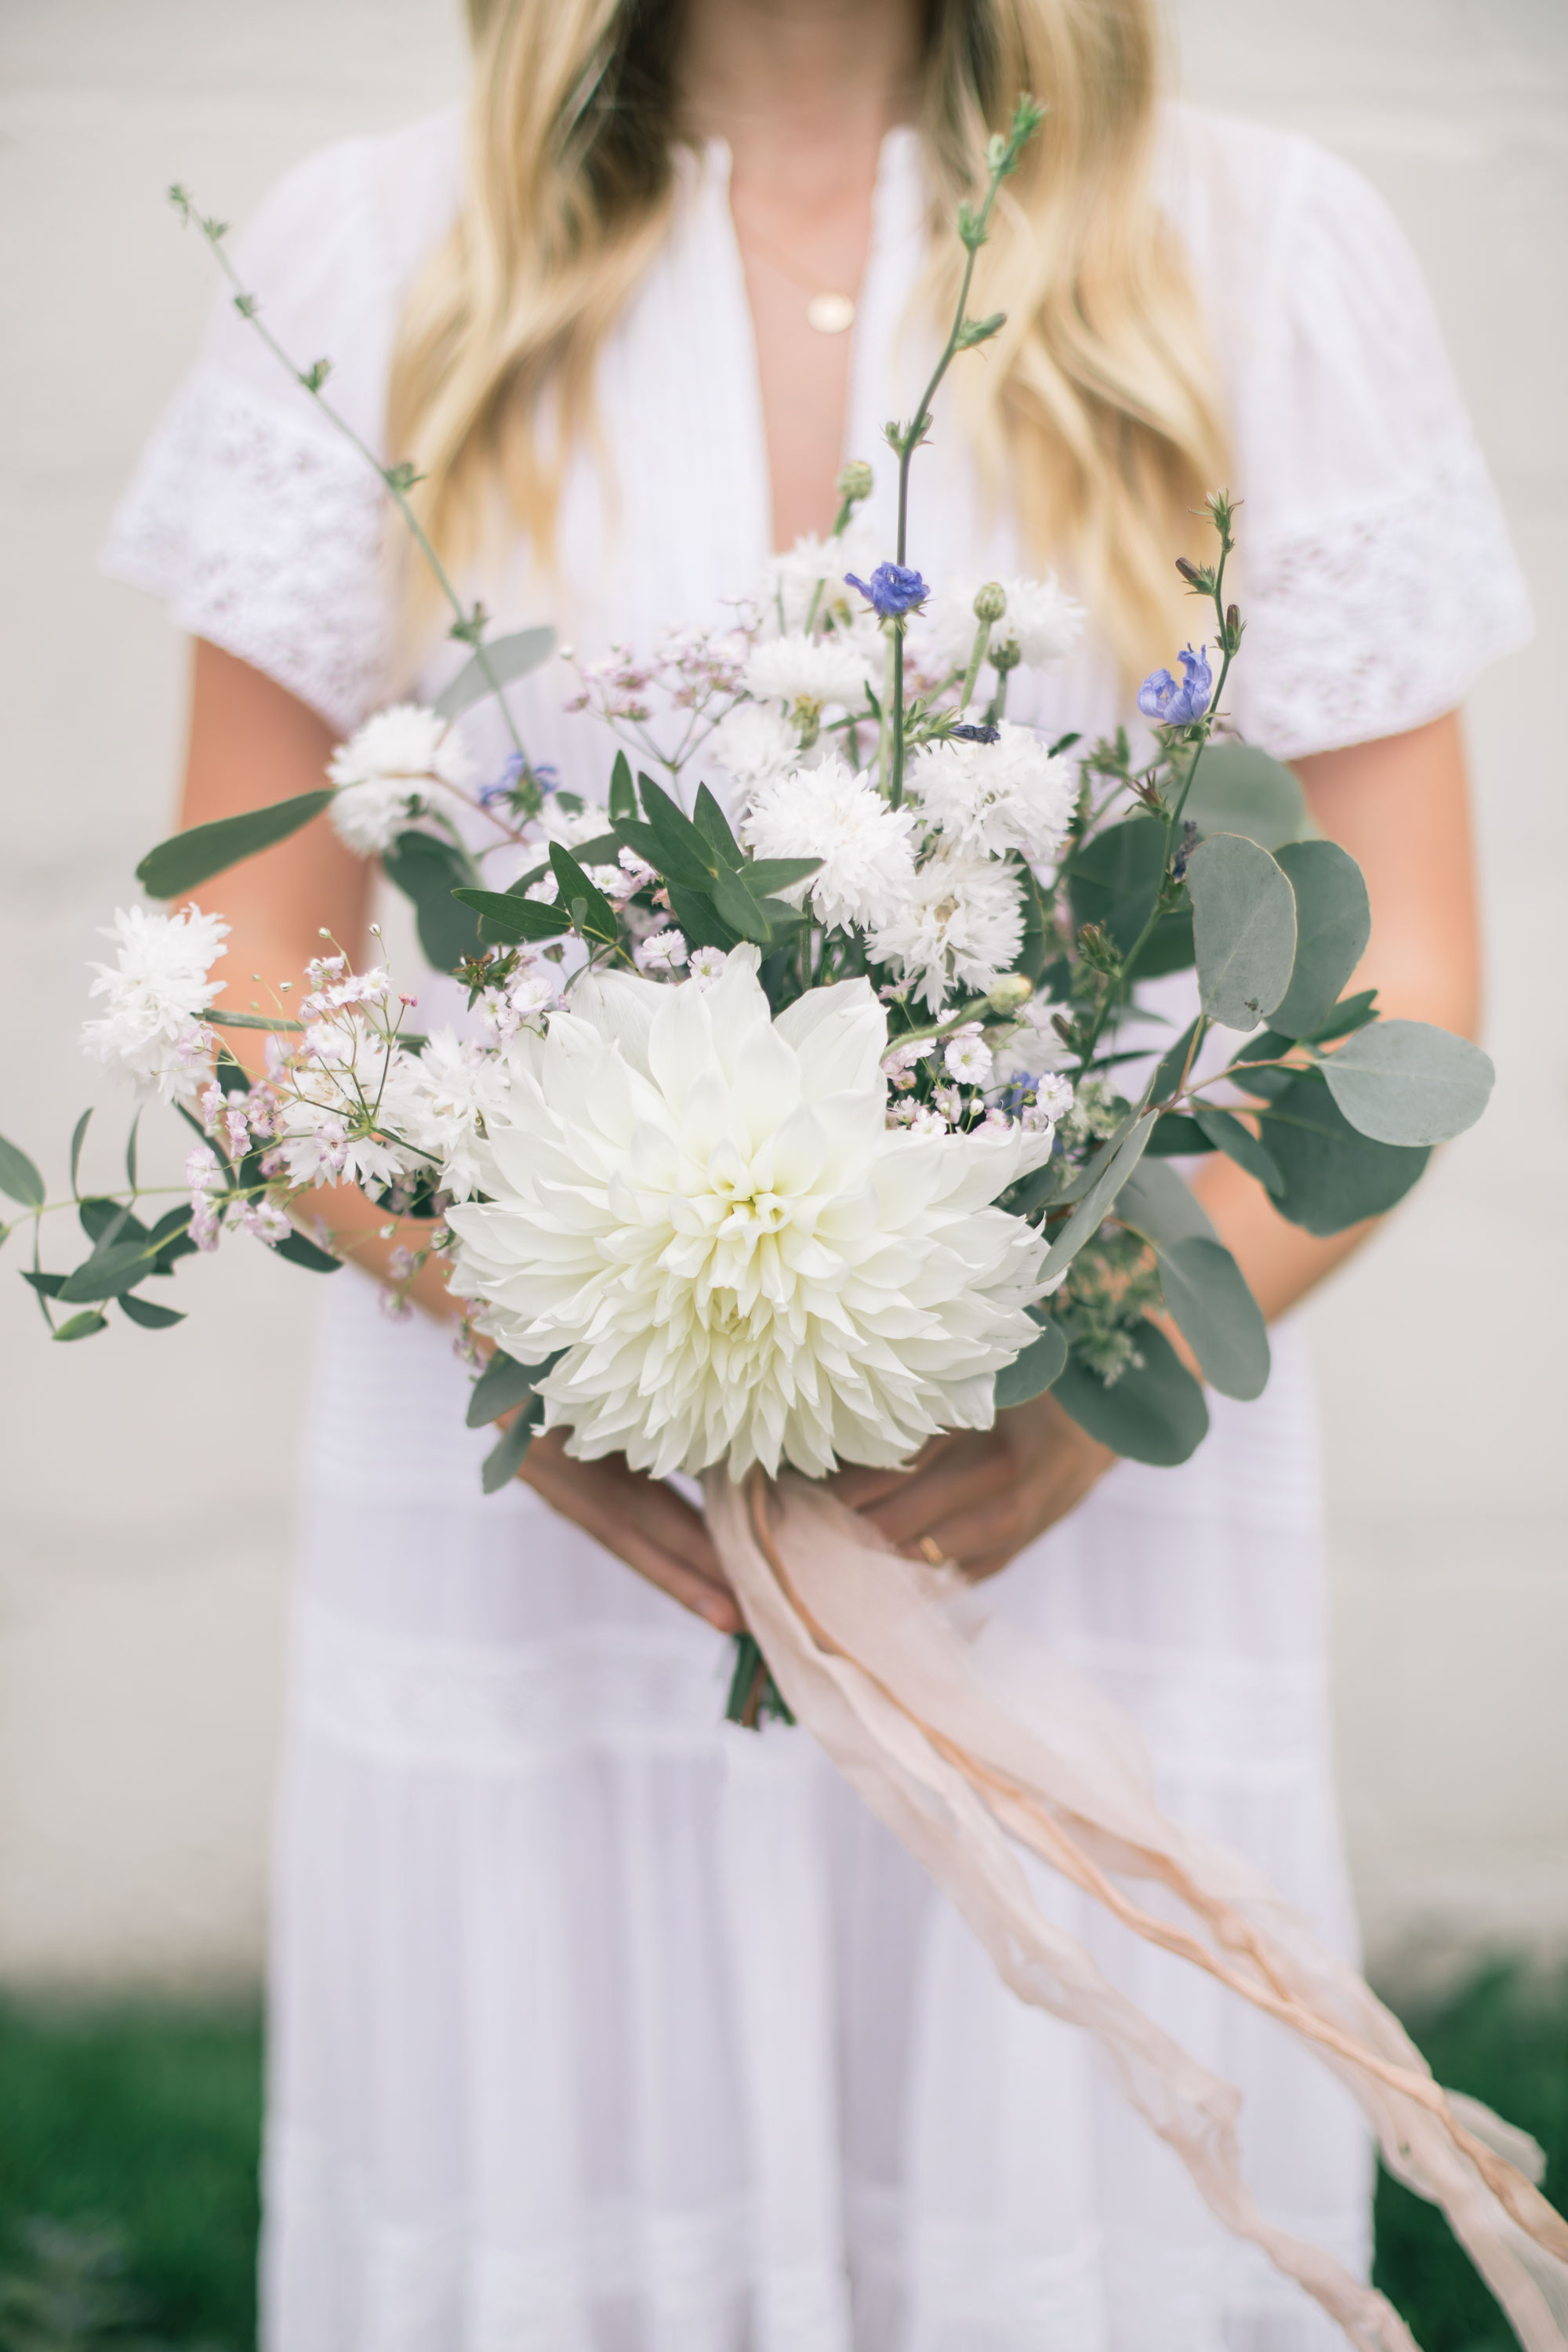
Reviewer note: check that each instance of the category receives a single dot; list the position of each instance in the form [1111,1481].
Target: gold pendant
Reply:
[830,314]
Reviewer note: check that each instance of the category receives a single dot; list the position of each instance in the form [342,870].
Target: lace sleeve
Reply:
[265,538]
[1377,571]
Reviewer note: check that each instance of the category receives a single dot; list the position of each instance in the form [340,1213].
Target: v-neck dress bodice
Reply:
[598,2026]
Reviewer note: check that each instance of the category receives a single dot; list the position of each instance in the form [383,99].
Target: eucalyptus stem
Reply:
[396,480]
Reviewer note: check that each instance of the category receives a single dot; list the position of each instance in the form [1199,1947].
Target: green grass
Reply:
[144,2123]
[141,2123]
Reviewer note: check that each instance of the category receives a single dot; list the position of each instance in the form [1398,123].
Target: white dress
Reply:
[598,2026]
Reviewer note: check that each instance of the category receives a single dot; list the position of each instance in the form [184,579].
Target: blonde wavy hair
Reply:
[1098,403]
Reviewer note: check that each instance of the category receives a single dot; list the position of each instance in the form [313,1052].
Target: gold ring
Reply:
[930,1549]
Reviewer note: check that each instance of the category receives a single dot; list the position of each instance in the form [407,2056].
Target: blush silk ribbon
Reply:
[964,1735]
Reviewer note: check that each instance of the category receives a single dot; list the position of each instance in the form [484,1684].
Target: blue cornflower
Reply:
[893,589]
[969,734]
[1161,697]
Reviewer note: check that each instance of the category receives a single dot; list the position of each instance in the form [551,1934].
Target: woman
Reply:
[595,2024]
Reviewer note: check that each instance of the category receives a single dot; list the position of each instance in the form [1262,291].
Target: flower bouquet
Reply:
[792,1127]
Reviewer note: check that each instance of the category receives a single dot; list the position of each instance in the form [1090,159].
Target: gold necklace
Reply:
[829,313]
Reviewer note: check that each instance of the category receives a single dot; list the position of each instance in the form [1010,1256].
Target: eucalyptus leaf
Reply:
[130,1155]
[740,909]
[1244,928]
[1333,923]
[1177,1137]
[1157,1203]
[151,1318]
[667,854]
[107,1272]
[186,858]
[763,875]
[1114,879]
[507,1456]
[714,826]
[1174,1063]
[19,1179]
[591,912]
[700,924]
[1096,1203]
[515,919]
[1154,1412]
[503,1383]
[105,1222]
[1215,1313]
[1239,789]
[301,1251]
[1408,1082]
[47,1285]
[501,661]
[82,1326]
[1227,1133]
[623,791]
[672,826]
[1333,1176]
[78,1136]
[1032,1373]
[427,869]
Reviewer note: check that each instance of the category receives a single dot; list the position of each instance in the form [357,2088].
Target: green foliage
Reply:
[143,2122]
[507,918]
[623,791]
[19,1179]
[81,1326]
[1333,1176]
[297,1251]
[1238,789]
[504,1382]
[592,913]
[1108,1173]
[186,858]
[1113,882]
[506,1457]
[1029,1374]
[427,869]
[1215,1314]
[151,1317]
[1227,1133]
[501,661]
[1407,1082]
[1153,1412]
[79,1137]
[1503,2038]
[1333,923]
[1244,928]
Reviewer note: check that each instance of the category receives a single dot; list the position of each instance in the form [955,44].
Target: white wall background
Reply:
[145,1479]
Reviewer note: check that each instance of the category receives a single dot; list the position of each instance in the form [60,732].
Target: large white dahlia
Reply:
[705,1209]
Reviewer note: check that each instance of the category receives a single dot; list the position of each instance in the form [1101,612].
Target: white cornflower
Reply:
[867,868]
[1041,624]
[660,951]
[400,762]
[807,672]
[963,922]
[993,797]
[753,743]
[969,1060]
[707,965]
[155,991]
[453,1090]
[812,574]
[703,1208]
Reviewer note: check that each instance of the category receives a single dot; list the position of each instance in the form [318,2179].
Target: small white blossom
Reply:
[661,952]
[962,923]
[810,671]
[993,797]
[753,743]
[867,868]
[393,1306]
[638,872]
[968,1059]
[265,1221]
[949,1102]
[399,764]
[927,1121]
[453,1090]
[707,965]
[202,1167]
[1054,1095]
[1042,621]
[155,993]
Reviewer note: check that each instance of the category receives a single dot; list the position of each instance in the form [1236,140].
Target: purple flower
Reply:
[893,589]
[966,734]
[1161,697]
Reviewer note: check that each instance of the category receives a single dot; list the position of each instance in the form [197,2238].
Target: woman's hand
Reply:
[643,1522]
[978,1496]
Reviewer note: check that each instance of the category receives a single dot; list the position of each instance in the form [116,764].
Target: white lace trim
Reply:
[1382,619]
[265,538]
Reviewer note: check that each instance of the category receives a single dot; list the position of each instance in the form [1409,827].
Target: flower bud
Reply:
[1007,656]
[990,601]
[1013,989]
[854,481]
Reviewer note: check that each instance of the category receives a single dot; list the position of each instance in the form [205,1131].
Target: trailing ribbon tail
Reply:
[963,1735]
